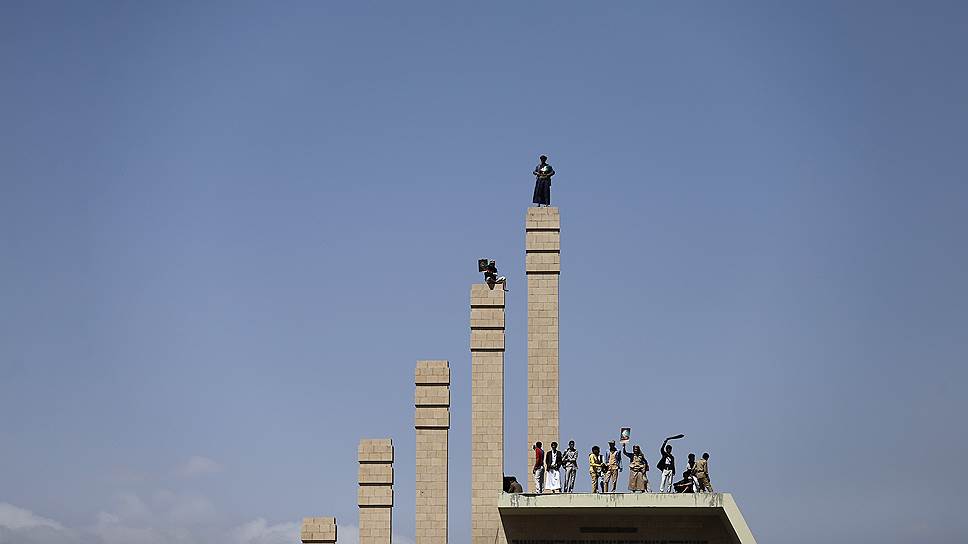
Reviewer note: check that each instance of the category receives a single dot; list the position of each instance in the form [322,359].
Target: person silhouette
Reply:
[542,182]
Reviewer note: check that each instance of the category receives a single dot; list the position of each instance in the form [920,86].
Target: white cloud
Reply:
[197,465]
[184,509]
[168,518]
[161,516]
[21,526]
[13,517]
[258,531]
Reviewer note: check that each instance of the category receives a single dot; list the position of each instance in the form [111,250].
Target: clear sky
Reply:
[228,230]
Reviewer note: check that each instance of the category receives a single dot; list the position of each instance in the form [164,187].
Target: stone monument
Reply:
[487,412]
[543,266]
[432,424]
[375,497]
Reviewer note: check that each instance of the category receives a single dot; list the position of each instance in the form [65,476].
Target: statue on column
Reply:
[542,182]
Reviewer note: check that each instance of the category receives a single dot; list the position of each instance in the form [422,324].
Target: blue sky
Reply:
[228,230]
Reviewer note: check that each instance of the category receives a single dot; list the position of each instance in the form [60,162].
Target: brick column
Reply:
[432,424]
[487,413]
[543,265]
[375,497]
[318,530]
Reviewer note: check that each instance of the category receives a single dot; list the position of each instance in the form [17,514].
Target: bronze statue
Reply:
[542,182]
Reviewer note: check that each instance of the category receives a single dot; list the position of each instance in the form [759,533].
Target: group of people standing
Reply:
[554,471]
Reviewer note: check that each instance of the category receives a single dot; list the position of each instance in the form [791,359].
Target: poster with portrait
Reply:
[625,434]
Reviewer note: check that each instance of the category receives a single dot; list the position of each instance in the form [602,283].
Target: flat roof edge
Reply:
[522,503]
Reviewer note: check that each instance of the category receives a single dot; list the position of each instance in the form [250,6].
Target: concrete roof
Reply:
[718,511]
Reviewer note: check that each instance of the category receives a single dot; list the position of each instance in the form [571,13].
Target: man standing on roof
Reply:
[552,469]
[668,467]
[569,460]
[613,459]
[596,466]
[701,471]
[538,469]
[638,470]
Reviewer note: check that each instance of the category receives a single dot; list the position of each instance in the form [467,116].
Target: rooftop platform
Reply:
[623,518]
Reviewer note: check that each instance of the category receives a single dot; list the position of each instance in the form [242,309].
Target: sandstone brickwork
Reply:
[318,530]
[543,266]
[375,497]
[432,424]
[487,413]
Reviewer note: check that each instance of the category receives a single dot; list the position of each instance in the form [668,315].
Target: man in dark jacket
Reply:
[668,467]
[552,466]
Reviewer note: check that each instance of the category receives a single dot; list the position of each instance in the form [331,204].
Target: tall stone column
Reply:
[375,497]
[432,424]
[487,413]
[543,266]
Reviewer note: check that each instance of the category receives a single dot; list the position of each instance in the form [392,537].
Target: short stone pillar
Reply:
[318,530]
[432,424]
[487,412]
[375,497]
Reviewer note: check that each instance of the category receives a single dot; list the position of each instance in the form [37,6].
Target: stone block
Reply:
[542,219]
[376,525]
[487,318]
[487,339]
[375,495]
[437,417]
[375,473]
[431,395]
[542,263]
[432,373]
[483,295]
[375,451]
[318,529]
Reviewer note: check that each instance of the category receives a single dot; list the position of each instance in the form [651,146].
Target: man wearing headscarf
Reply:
[638,467]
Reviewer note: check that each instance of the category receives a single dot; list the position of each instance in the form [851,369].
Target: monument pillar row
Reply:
[432,426]
[487,413]
[375,497]
[543,265]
